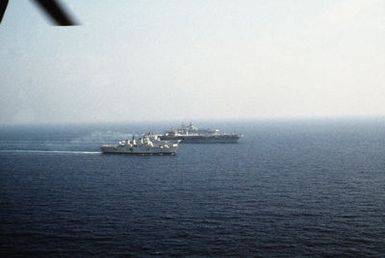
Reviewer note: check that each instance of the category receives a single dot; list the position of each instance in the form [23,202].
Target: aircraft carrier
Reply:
[191,134]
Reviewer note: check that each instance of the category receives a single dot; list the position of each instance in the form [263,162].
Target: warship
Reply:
[192,134]
[145,145]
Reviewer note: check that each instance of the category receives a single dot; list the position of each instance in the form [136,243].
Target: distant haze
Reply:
[186,60]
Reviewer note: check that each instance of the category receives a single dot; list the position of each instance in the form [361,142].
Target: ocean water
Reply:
[288,188]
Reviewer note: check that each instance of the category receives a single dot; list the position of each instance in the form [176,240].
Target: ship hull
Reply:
[202,139]
[140,153]
[110,149]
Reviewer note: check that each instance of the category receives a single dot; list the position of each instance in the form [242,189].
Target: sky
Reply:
[186,60]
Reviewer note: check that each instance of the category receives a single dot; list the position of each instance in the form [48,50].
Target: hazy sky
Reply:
[186,60]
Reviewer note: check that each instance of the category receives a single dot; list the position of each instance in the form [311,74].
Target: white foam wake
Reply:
[52,151]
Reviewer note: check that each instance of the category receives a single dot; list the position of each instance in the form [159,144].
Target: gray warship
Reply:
[191,134]
[145,145]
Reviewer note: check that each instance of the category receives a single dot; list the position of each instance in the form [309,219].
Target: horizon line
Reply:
[204,120]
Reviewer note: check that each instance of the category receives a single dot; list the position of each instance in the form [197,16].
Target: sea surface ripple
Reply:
[287,189]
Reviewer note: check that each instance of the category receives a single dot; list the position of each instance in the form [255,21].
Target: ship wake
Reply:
[51,151]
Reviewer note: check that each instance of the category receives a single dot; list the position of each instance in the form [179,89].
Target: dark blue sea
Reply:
[294,188]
